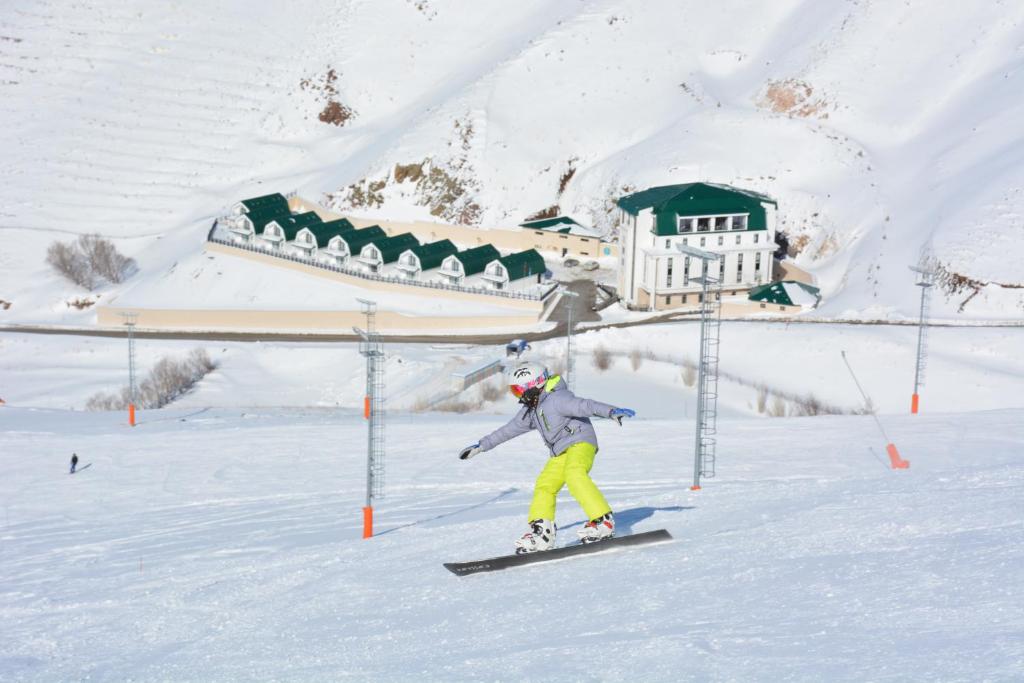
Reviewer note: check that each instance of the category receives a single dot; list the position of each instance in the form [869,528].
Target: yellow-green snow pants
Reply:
[570,467]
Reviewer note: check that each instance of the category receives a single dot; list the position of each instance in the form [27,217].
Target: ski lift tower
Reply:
[570,364]
[704,450]
[129,322]
[925,280]
[371,347]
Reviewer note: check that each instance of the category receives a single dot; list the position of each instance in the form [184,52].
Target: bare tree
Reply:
[168,380]
[602,358]
[104,258]
[70,263]
[762,398]
[89,259]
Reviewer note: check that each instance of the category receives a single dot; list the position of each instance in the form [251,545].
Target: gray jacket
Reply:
[561,417]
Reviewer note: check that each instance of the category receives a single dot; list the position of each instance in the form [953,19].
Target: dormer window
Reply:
[721,222]
[685,224]
[703,224]
[739,222]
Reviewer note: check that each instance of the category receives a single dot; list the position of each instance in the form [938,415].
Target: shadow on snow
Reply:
[493,499]
[625,519]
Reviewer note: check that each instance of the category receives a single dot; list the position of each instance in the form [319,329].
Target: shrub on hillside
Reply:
[169,379]
[88,260]
[70,263]
[602,358]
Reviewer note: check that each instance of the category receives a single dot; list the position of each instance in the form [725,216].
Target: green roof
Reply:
[776,292]
[565,222]
[523,264]
[269,204]
[392,247]
[476,259]
[431,255]
[341,225]
[323,232]
[292,224]
[669,202]
[357,239]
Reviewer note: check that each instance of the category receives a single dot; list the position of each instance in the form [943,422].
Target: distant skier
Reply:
[74,462]
[563,420]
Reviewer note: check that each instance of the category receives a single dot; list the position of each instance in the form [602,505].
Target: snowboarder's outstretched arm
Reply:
[518,425]
[587,407]
[584,407]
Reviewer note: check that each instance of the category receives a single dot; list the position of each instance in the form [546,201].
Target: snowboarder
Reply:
[74,462]
[563,420]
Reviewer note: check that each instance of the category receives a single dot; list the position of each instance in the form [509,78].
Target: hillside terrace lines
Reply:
[157,148]
[65,162]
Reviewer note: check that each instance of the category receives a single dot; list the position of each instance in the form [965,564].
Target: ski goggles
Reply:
[519,389]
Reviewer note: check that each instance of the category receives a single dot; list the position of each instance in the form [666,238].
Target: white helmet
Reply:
[526,376]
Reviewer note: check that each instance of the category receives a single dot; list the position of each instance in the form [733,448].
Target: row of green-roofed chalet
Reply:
[457,267]
[267,224]
[319,235]
[515,267]
[273,204]
[284,229]
[376,253]
[415,260]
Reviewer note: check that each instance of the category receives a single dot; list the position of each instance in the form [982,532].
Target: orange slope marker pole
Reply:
[367,522]
[368,510]
[897,462]
[131,414]
[915,402]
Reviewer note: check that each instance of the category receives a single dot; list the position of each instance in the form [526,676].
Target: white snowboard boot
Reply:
[598,529]
[541,536]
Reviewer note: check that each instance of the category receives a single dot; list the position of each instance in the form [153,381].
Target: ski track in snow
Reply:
[230,549]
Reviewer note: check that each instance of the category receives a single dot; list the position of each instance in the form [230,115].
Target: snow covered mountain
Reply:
[882,128]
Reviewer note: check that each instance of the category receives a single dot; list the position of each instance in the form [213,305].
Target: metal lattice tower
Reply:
[373,409]
[570,361]
[705,438]
[129,321]
[925,280]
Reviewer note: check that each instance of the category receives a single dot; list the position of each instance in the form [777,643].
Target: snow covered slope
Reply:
[881,128]
[216,545]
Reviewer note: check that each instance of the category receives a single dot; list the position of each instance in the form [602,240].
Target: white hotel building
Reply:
[738,224]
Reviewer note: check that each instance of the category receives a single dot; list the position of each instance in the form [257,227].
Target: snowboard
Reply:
[507,561]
